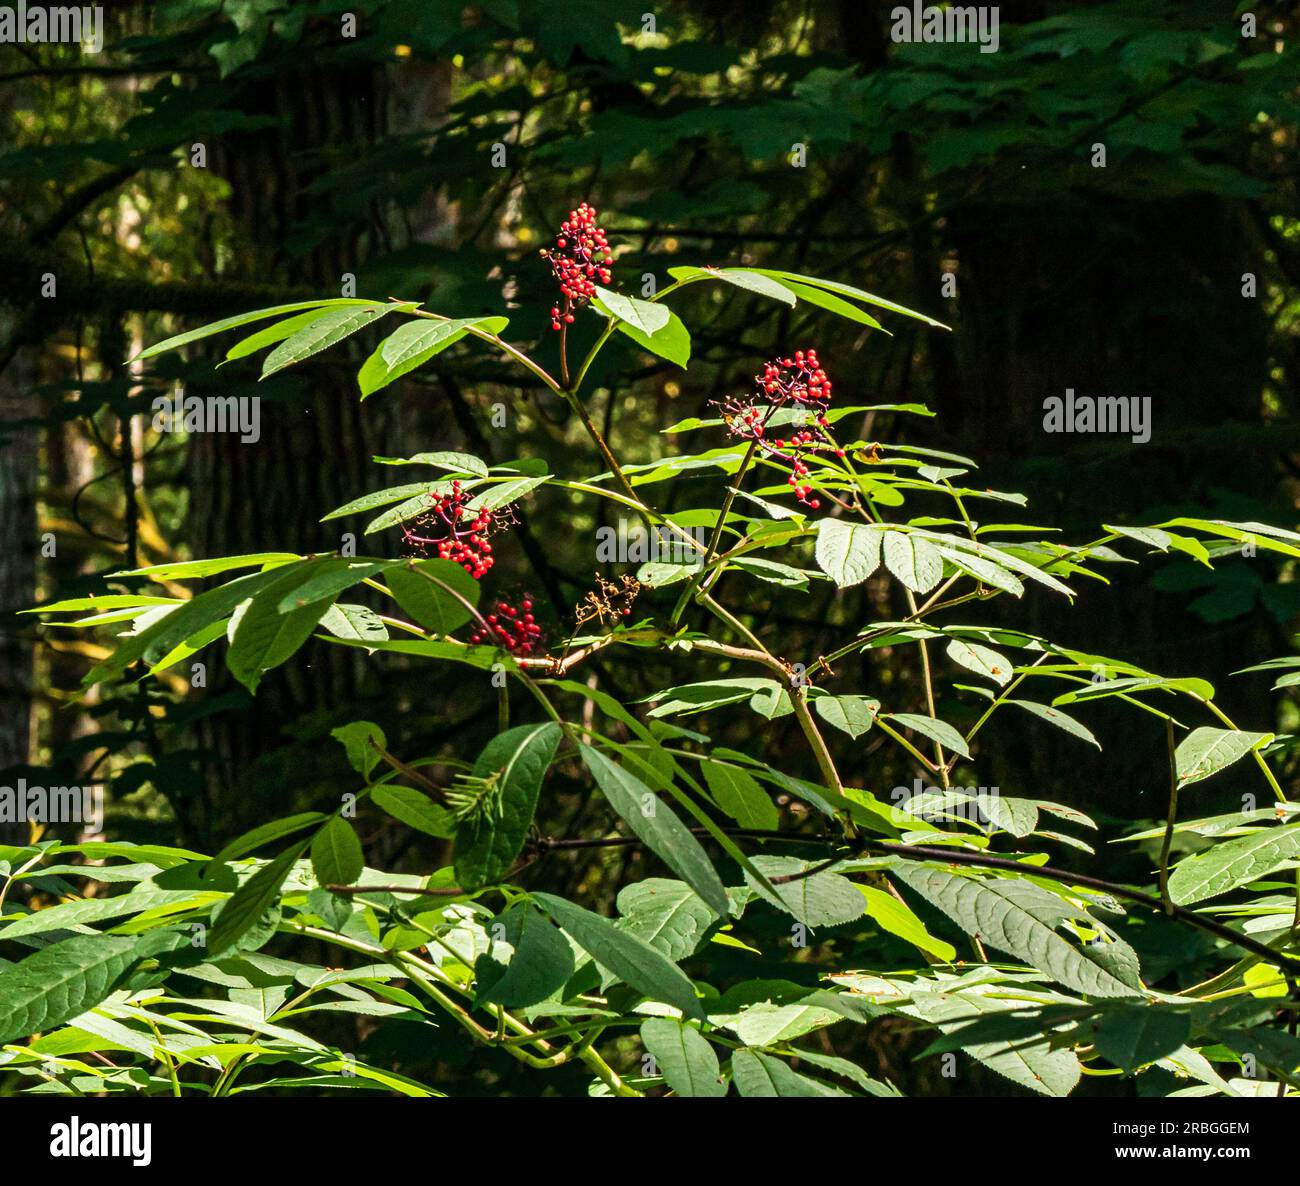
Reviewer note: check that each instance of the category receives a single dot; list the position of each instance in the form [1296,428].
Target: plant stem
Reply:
[940,761]
[890,731]
[1170,820]
[699,575]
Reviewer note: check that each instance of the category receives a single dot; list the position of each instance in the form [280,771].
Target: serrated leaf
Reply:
[276,829]
[695,698]
[447,459]
[68,915]
[898,919]
[985,570]
[324,332]
[850,1071]
[413,344]
[1231,864]
[187,569]
[499,494]
[1017,816]
[829,301]
[382,498]
[325,582]
[359,740]
[968,548]
[673,342]
[1029,1060]
[353,622]
[628,957]
[656,824]
[265,635]
[853,715]
[684,1058]
[273,333]
[1206,751]
[667,914]
[645,316]
[536,961]
[218,327]
[913,560]
[1056,717]
[181,623]
[760,1075]
[848,553]
[754,282]
[241,912]
[820,900]
[109,602]
[856,294]
[767,1023]
[1132,1038]
[410,508]
[1151,536]
[1018,917]
[416,810]
[739,795]
[63,980]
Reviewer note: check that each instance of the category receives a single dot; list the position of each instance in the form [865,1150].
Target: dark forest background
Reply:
[218,157]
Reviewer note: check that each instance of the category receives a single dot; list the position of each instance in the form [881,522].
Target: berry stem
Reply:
[564,356]
[702,572]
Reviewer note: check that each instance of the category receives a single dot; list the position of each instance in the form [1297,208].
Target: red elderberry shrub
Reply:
[579,259]
[512,628]
[796,382]
[452,531]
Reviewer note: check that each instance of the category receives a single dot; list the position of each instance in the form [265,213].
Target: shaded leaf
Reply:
[1021,918]
[336,853]
[656,824]
[627,956]
[488,843]
[685,1059]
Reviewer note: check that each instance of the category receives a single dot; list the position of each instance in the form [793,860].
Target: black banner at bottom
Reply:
[190,1136]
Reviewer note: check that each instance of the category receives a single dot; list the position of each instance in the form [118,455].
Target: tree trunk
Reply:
[19,460]
[316,441]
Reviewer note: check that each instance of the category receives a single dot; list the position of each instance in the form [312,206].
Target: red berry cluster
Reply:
[579,259]
[454,532]
[799,379]
[794,448]
[513,629]
[788,382]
